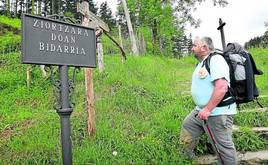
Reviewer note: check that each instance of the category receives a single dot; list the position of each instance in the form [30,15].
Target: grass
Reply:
[9,34]
[9,41]
[139,108]
[15,22]
[130,113]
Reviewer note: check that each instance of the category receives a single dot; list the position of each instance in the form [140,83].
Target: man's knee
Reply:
[188,143]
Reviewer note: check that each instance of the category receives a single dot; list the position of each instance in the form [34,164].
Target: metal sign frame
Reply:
[53,42]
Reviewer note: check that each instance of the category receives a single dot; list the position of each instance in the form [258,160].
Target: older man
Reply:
[210,116]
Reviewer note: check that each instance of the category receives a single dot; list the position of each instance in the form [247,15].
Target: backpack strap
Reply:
[228,97]
[206,62]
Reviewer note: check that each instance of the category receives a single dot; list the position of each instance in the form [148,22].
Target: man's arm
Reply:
[221,87]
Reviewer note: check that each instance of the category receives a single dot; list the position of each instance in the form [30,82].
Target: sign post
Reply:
[54,42]
[65,113]
[84,9]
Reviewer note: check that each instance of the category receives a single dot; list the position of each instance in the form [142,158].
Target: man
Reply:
[208,90]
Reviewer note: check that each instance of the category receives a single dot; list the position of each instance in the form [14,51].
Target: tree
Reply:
[2,7]
[7,3]
[47,8]
[184,10]
[56,6]
[92,7]
[155,21]
[68,8]
[16,8]
[31,9]
[21,7]
[105,14]
[130,29]
[161,20]
[39,7]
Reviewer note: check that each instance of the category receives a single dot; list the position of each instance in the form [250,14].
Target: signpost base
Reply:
[65,113]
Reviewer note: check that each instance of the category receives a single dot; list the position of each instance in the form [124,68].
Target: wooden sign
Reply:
[95,21]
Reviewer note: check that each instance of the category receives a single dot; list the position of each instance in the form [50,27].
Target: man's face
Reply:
[197,47]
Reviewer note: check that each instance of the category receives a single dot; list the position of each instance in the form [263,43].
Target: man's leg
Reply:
[190,132]
[221,130]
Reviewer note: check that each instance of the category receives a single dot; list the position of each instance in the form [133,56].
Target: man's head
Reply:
[202,47]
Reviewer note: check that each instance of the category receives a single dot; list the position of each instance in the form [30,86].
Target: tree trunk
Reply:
[100,54]
[16,8]
[45,8]
[33,8]
[52,7]
[8,8]
[40,7]
[130,29]
[161,44]
[120,36]
[154,33]
[21,7]
[142,44]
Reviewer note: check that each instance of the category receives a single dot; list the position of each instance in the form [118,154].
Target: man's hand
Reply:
[221,87]
[204,114]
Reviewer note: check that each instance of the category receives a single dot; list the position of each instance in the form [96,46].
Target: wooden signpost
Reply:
[92,21]
[100,26]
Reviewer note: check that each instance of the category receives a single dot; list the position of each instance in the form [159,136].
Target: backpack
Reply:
[242,69]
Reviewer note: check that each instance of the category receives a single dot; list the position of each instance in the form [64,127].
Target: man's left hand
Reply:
[204,114]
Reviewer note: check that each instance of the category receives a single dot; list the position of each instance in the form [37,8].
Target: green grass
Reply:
[9,41]
[261,58]
[139,104]
[9,34]
[15,22]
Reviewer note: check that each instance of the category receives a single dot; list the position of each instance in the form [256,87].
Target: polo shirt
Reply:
[203,84]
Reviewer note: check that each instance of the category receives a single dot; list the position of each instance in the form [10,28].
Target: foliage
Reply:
[9,41]
[105,14]
[257,42]
[109,48]
[92,6]
[69,6]
[154,21]
[15,23]
[185,9]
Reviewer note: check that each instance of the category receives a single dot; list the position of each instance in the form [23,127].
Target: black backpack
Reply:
[243,69]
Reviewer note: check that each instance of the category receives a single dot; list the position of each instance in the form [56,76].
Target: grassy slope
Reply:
[139,109]
[9,33]
[140,105]
[15,23]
